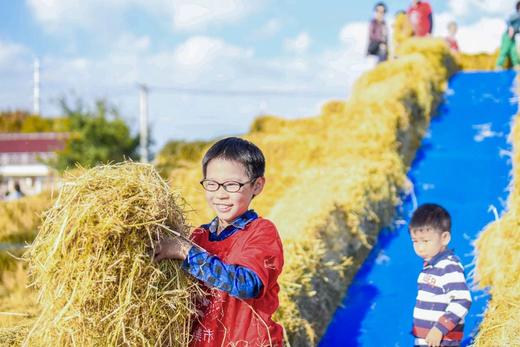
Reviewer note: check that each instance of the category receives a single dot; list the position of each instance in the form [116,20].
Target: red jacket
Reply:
[420,16]
[452,43]
[229,321]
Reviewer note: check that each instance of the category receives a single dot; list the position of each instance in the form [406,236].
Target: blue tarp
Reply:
[463,164]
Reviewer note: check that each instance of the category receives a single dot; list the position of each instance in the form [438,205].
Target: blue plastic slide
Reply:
[463,164]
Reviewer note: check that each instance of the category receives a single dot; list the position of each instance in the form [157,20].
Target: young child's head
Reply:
[517,6]
[233,171]
[452,28]
[430,229]
[380,11]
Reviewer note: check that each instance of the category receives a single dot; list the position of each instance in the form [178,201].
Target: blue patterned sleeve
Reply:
[238,281]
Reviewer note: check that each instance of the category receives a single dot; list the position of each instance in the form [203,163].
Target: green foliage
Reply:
[177,154]
[97,136]
[23,122]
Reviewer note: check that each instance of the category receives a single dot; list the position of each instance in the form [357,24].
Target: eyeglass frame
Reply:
[240,185]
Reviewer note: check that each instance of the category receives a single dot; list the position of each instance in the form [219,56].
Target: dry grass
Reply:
[334,180]
[19,220]
[90,265]
[18,306]
[478,62]
[498,266]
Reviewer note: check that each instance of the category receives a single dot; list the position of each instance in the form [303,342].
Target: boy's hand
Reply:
[171,248]
[434,337]
[511,32]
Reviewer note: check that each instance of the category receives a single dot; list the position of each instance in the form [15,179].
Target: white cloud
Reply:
[187,15]
[481,36]
[199,14]
[299,44]
[467,7]
[269,29]
[58,15]
[199,52]
[9,52]
[355,35]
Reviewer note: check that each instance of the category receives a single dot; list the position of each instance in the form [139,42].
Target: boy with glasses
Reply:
[238,256]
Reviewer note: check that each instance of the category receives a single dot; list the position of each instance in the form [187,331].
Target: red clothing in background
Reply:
[452,43]
[229,321]
[420,16]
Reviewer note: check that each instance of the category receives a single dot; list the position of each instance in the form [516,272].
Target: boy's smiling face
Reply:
[428,242]
[228,206]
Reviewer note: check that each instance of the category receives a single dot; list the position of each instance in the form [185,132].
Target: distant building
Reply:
[23,157]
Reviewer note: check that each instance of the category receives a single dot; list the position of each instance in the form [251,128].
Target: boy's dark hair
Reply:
[517,6]
[239,150]
[382,4]
[431,215]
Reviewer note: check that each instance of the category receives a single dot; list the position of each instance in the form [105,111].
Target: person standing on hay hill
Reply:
[443,297]
[451,40]
[420,15]
[508,45]
[240,255]
[378,34]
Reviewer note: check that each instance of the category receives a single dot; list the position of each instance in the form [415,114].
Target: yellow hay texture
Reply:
[17,305]
[481,61]
[19,220]
[333,180]
[403,30]
[96,283]
[498,267]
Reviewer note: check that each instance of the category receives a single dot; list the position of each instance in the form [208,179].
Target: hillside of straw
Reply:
[334,180]
[91,268]
[498,265]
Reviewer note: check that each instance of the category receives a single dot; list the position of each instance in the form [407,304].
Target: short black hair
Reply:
[239,150]
[431,216]
[382,4]
[518,6]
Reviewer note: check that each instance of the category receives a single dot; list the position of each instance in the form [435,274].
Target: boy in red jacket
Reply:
[420,15]
[241,256]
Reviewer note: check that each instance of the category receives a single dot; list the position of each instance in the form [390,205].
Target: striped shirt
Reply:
[443,299]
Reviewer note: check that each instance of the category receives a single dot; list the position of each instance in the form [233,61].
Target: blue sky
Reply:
[102,48]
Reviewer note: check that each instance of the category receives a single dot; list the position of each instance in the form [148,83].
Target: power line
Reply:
[243,92]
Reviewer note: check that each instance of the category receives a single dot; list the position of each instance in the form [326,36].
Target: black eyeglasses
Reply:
[229,186]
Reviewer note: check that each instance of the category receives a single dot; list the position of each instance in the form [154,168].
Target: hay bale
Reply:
[498,266]
[96,282]
[19,219]
[18,306]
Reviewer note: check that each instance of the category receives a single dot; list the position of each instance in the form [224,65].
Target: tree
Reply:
[97,136]
[19,121]
[177,154]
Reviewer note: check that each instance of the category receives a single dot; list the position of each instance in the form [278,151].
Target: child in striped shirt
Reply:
[443,298]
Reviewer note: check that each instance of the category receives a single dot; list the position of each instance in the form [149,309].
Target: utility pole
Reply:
[36,87]
[143,121]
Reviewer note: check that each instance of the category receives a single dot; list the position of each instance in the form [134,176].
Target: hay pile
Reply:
[334,180]
[498,266]
[89,262]
[478,62]
[19,219]
[403,30]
